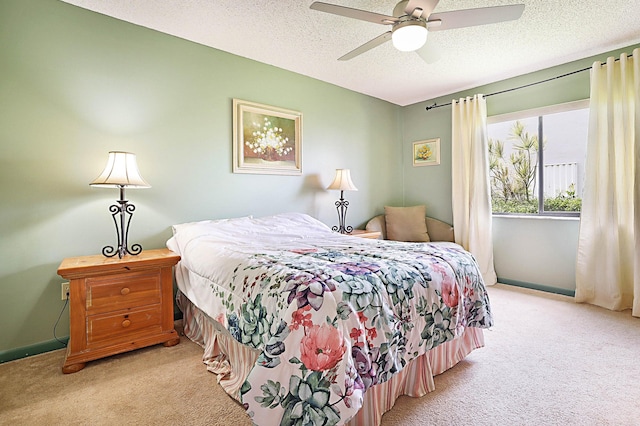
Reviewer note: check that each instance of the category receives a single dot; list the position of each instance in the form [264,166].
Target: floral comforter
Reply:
[331,315]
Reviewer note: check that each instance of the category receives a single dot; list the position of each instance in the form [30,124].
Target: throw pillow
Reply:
[406,223]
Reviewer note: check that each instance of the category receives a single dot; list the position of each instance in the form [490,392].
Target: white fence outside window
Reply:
[558,178]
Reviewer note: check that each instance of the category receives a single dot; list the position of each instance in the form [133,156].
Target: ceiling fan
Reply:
[412,20]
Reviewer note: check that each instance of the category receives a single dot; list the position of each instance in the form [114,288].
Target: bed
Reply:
[303,325]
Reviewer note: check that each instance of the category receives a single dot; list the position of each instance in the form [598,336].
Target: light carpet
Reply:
[547,361]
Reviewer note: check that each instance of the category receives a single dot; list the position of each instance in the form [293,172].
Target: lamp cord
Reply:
[66,302]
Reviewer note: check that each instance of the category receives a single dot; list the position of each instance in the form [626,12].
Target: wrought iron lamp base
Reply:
[122,214]
[341,206]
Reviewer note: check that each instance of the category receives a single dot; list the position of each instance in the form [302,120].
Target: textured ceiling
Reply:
[289,35]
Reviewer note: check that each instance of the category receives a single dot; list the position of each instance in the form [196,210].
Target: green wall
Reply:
[76,84]
[534,252]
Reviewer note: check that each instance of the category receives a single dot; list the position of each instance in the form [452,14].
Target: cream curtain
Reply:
[608,259]
[471,197]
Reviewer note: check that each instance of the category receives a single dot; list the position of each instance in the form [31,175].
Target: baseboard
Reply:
[548,289]
[35,349]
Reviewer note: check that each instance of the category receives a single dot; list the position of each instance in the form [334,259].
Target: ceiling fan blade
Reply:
[349,12]
[472,17]
[430,52]
[367,46]
[425,8]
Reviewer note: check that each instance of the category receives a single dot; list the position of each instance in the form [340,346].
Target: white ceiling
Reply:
[289,35]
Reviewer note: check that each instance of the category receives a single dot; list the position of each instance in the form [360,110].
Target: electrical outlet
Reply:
[65,290]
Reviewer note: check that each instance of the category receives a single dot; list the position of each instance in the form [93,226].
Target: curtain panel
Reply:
[608,258]
[471,196]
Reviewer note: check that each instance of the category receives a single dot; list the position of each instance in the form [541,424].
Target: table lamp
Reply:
[343,183]
[121,172]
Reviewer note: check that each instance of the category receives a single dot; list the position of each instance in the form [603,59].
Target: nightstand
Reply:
[363,233]
[118,305]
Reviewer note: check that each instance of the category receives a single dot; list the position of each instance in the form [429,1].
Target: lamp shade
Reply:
[409,36]
[342,181]
[121,171]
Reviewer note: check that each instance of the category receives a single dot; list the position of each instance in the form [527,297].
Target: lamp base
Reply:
[341,206]
[121,211]
[342,229]
[121,251]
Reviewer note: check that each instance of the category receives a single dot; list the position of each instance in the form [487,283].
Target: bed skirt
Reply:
[231,362]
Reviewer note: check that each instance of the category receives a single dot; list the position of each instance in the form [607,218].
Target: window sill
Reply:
[535,217]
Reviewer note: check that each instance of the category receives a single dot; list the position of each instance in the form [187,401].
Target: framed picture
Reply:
[426,153]
[266,139]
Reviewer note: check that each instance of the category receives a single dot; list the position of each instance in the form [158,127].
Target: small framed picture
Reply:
[266,139]
[426,153]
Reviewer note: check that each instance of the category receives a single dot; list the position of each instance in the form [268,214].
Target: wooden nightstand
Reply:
[118,305]
[363,233]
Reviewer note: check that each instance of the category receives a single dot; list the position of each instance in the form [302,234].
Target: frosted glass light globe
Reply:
[409,36]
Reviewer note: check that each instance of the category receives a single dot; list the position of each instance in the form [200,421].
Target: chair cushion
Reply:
[406,223]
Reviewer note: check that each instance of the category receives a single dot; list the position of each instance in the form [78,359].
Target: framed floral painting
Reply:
[426,153]
[266,139]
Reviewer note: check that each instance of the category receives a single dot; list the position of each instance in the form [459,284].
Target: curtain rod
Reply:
[435,105]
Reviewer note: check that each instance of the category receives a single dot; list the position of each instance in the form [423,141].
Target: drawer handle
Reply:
[125,291]
[126,323]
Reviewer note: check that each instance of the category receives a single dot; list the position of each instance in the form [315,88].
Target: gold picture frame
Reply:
[426,152]
[266,139]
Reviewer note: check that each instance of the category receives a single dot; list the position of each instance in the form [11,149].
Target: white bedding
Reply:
[231,240]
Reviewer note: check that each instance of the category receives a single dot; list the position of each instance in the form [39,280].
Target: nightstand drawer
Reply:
[129,290]
[111,328]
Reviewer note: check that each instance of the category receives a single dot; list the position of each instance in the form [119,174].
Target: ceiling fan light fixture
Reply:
[409,35]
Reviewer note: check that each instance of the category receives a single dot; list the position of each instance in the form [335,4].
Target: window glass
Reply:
[524,171]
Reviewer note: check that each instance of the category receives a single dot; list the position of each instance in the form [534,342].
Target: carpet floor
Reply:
[547,361]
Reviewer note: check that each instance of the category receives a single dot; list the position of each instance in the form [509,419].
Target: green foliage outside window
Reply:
[566,202]
[513,180]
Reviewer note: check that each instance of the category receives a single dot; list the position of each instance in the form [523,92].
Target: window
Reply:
[528,180]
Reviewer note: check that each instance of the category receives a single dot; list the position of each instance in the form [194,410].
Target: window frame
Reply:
[537,113]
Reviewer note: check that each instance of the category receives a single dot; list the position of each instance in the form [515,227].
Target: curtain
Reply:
[608,259]
[471,197]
